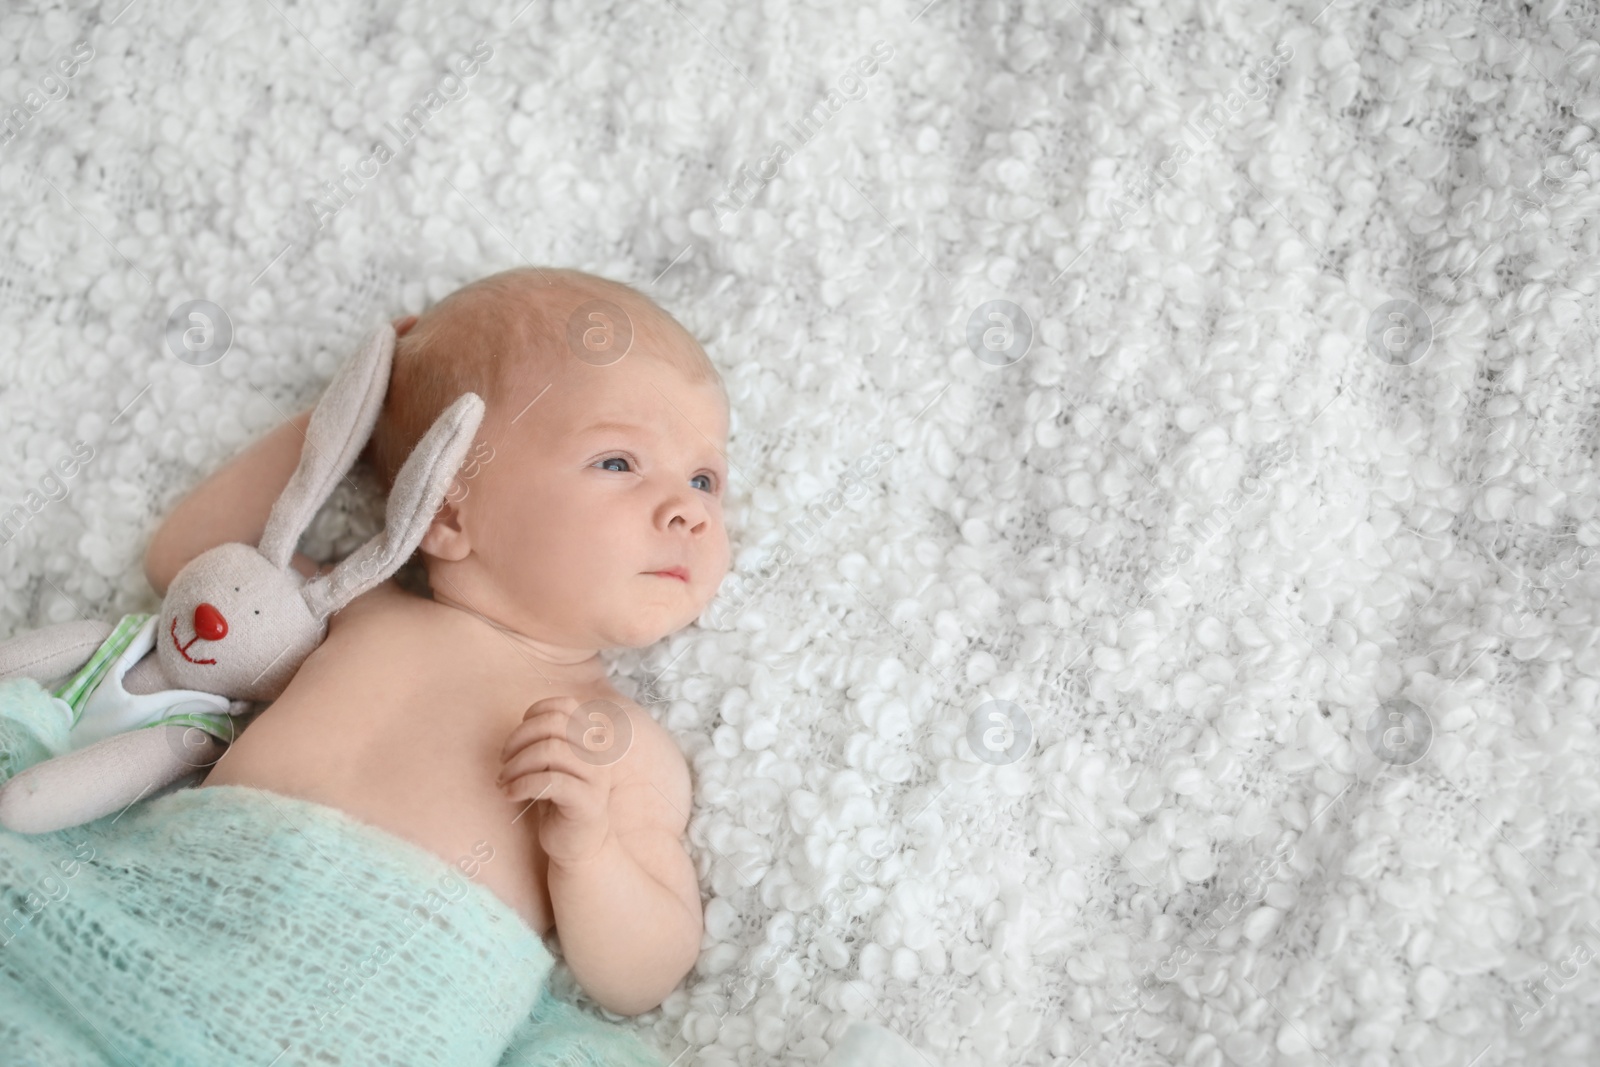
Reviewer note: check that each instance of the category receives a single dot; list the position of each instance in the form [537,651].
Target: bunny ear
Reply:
[343,420]
[418,491]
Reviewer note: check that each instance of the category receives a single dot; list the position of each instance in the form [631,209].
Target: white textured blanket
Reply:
[1164,627]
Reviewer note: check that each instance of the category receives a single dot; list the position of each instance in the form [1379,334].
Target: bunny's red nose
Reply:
[209,623]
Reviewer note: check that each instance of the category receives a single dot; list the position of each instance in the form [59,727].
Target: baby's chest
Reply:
[390,746]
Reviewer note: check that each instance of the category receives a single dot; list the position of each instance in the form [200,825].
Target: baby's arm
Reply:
[630,919]
[231,505]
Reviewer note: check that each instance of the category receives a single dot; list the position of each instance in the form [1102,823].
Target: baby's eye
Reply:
[615,459]
[710,485]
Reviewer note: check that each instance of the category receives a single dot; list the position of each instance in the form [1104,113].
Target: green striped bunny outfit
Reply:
[93,705]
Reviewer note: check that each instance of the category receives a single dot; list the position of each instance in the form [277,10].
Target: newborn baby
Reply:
[588,517]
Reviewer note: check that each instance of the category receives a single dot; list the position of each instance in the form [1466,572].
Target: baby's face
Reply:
[611,476]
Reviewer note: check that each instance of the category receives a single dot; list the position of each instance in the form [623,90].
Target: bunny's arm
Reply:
[107,776]
[230,505]
[53,652]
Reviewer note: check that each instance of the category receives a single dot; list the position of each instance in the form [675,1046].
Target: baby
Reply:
[588,517]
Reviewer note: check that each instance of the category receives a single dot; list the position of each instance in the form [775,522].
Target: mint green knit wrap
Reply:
[232,925]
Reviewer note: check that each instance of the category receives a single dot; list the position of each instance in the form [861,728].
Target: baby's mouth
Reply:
[674,572]
[181,648]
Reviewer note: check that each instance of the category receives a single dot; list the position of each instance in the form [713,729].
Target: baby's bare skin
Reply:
[599,481]
[382,722]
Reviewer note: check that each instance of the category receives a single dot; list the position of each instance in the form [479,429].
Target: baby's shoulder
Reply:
[654,765]
[388,621]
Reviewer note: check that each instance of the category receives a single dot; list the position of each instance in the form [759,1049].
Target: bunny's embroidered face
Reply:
[235,625]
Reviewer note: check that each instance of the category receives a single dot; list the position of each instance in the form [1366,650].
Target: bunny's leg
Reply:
[102,779]
[34,726]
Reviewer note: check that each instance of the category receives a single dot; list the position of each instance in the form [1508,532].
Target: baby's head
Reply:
[587,475]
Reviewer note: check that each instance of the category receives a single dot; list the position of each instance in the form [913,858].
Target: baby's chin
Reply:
[648,625]
[632,637]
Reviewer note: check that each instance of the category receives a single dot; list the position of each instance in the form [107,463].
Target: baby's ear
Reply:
[446,539]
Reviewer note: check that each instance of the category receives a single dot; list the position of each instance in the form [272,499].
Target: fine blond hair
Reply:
[475,339]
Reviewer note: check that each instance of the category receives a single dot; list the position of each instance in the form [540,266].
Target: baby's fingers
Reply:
[599,731]
[547,718]
[551,753]
[578,800]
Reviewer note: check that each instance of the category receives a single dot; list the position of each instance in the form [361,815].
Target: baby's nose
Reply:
[209,623]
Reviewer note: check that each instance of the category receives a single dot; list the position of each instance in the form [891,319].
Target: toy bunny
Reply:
[235,626]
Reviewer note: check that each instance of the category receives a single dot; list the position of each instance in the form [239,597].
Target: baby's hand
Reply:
[565,758]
